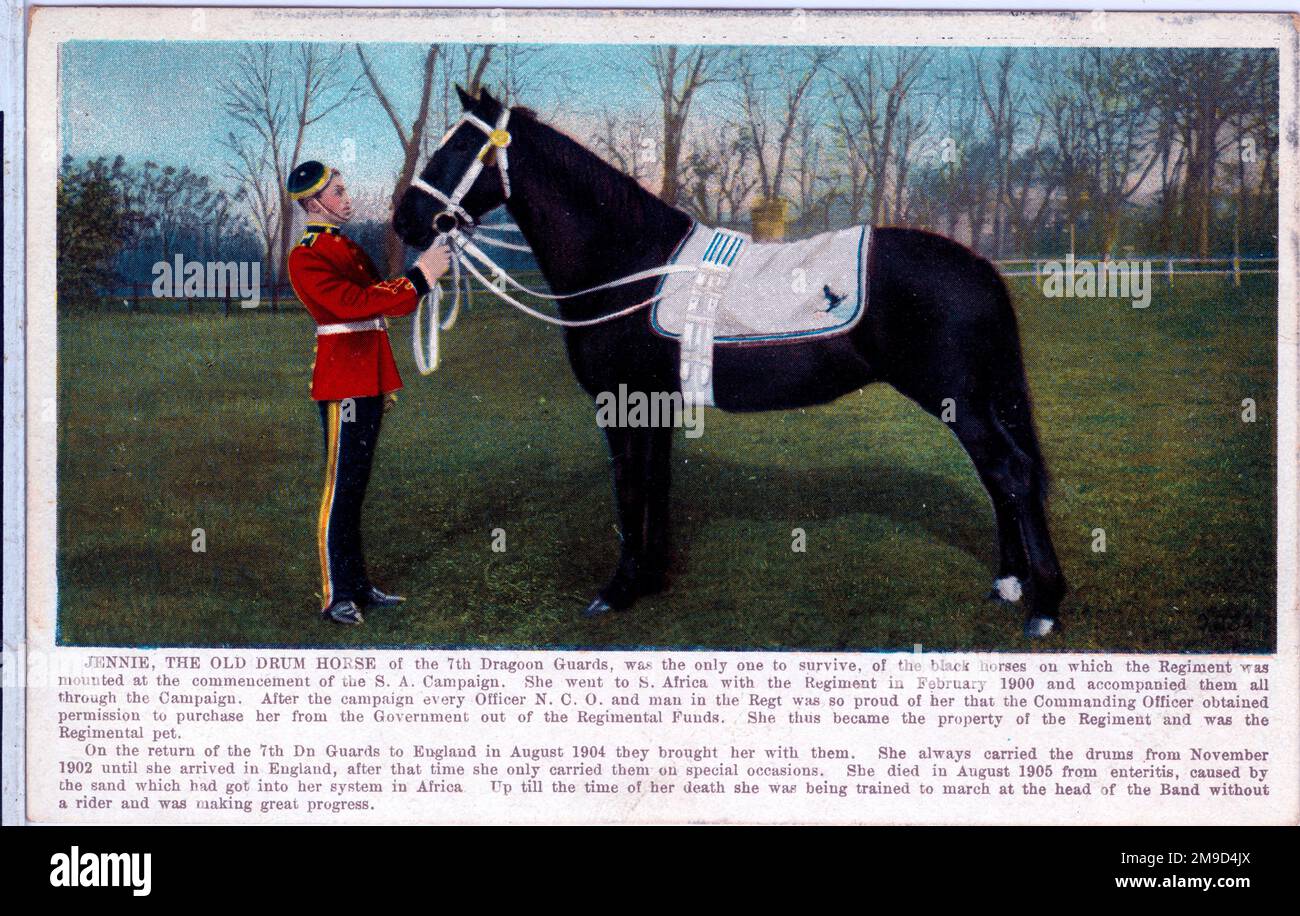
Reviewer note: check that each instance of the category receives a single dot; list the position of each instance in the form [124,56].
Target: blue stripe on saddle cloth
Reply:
[771,291]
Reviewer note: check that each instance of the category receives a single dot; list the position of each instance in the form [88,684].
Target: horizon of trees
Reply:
[1015,152]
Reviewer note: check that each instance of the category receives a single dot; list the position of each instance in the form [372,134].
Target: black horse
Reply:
[939,325]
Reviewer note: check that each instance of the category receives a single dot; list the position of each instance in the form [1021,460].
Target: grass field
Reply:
[168,424]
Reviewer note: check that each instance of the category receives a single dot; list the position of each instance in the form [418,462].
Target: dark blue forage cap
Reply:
[308,179]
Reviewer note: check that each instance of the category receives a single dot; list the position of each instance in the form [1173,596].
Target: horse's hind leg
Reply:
[1014,478]
[1048,581]
[941,325]
[993,456]
[1014,481]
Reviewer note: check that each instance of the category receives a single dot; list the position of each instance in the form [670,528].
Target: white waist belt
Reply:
[352,327]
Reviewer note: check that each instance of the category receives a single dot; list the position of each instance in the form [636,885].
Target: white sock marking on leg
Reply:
[1008,589]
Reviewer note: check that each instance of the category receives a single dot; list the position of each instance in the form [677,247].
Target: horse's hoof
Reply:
[1007,589]
[1038,627]
[599,607]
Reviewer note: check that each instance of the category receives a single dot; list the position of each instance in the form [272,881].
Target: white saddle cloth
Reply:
[767,291]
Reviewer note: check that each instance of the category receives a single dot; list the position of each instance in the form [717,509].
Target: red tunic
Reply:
[338,283]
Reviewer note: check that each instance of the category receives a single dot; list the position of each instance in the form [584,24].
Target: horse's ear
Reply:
[487,99]
[466,100]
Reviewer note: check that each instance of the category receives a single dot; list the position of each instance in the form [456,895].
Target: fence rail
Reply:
[139,297]
[1169,267]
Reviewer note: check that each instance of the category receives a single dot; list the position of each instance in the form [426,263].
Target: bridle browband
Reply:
[498,138]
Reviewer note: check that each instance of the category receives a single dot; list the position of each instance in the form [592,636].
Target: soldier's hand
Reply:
[434,261]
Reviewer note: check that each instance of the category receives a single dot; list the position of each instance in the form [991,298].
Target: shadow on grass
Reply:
[712,492]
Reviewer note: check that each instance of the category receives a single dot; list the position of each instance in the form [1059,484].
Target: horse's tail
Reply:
[1012,403]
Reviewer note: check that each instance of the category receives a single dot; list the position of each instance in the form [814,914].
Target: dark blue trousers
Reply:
[351,431]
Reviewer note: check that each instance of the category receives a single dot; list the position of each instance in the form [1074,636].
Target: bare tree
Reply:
[913,126]
[410,139]
[252,171]
[774,84]
[513,71]
[964,170]
[1031,186]
[1000,101]
[628,142]
[678,74]
[278,101]
[254,96]
[1259,136]
[719,179]
[1117,125]
[1196,90]
[1252,122]
[874,89]
[854,170]
[815,175]
[175,204]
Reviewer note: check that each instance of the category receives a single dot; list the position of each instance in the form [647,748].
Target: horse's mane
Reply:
[592,177]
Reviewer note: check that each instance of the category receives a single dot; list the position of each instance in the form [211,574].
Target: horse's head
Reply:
[420,215]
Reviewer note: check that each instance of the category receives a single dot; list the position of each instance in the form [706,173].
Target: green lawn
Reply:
[169,423]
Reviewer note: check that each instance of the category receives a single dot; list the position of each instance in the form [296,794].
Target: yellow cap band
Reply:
[320,184]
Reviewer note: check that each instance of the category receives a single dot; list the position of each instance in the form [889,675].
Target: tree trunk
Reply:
[670,187]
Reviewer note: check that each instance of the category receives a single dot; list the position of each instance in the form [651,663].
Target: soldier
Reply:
[354,377]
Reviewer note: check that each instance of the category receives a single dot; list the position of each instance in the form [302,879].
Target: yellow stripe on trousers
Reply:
[327,503]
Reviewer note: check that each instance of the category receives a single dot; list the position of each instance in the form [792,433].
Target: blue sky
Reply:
[161,101]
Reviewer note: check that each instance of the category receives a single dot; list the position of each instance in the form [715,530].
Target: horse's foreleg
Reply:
[628,450]
[658,528]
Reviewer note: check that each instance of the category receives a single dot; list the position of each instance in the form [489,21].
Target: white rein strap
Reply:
[469,248]
[425,344]
[426,355]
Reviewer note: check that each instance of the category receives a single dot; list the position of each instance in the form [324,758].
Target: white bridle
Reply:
[498,138]
[465,252]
